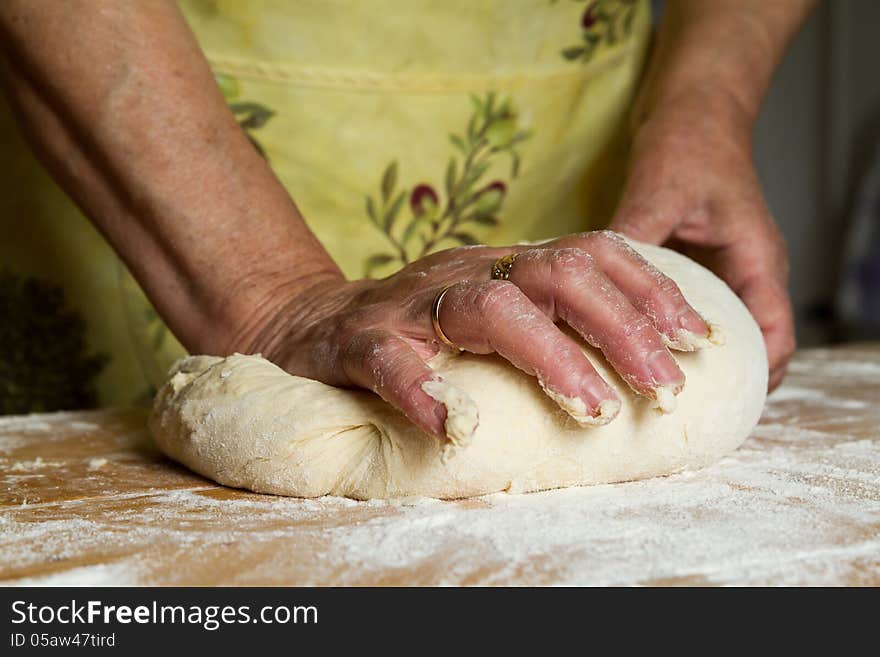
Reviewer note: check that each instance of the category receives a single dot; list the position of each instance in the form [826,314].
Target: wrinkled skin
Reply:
[378,334]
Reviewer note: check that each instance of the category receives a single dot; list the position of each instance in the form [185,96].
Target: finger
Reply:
[768,302]
[568,284]
[647,212]
[496,317]
[776,377]
[651,292]
[382,362]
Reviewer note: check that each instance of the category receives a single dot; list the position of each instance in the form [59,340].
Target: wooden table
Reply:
[86,499]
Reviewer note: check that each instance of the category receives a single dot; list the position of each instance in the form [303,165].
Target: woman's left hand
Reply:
[693,186]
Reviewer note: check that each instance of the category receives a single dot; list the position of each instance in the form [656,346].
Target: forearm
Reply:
[721,54]
[121,106]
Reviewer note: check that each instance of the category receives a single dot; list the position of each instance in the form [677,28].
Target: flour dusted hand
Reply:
[244,422]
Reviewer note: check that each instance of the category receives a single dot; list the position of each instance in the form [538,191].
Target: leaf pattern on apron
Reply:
[467,201]
[250,115]
[603,22]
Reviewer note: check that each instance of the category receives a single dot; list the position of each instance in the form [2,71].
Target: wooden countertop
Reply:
[86,499]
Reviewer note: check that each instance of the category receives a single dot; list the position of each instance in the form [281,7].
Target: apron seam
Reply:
[361,80]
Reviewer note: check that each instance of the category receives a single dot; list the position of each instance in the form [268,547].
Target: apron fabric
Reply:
[399,127]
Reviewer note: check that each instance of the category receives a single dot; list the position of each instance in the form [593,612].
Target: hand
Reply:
[692,185]
[378,334]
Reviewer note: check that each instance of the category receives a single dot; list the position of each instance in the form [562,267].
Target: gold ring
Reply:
[435,319]
[501,268]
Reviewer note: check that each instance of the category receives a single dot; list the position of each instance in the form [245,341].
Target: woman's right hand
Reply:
[378,334]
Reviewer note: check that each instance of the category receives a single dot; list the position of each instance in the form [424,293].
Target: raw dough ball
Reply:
[244,422]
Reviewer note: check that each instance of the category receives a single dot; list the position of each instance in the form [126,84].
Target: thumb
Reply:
[644,219]
[769,304]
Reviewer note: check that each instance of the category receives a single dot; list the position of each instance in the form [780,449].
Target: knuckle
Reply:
[605,238]
[664,288]
[347,332]
[636,326]
[605,242]
[378,353]
[352,342]
[572,262]
[494,297]
[354,324]
[368,350]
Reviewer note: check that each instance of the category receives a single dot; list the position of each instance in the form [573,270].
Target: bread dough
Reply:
[244,422]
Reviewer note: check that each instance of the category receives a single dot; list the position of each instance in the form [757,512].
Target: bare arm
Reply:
[692,182]
[122,108]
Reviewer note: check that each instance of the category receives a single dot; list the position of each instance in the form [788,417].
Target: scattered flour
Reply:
[834,367]
[36,464]
[114,574]
[799,503]
[766,515]
[807,395]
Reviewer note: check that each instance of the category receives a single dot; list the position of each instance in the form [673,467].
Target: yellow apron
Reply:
[400,127]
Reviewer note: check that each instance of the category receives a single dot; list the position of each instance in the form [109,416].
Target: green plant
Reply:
[44,360]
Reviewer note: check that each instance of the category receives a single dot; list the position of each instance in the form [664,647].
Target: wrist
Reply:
[695,99]
[264,308]
[702,113]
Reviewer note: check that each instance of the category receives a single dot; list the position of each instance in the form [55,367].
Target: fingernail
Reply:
[664,370]
[601,413]
[691,322]
[607,411]
[716,335]
[691,333]
[694,333]
[684,340]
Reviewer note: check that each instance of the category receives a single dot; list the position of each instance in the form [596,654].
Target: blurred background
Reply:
[817,148]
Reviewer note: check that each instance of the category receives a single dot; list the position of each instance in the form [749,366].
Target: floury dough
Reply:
[244,422]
